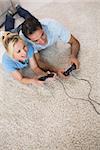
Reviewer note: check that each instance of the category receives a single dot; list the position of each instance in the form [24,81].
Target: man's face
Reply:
[39,37]
[20,51]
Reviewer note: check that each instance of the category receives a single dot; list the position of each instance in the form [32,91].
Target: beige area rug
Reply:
[46,118]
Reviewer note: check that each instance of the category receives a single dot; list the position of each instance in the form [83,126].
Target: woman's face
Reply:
[20,50]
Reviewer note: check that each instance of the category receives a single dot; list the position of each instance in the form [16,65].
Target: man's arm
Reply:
[75,47]
[44,64]
[35,67]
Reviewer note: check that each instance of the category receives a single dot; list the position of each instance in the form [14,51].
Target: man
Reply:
[44,34]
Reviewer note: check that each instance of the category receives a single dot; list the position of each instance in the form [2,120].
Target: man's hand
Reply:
[60,72]
[74,60]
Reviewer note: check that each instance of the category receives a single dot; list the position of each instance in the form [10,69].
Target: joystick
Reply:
[45,77]
[70,69]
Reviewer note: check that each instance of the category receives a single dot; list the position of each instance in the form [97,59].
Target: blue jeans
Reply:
[10,21]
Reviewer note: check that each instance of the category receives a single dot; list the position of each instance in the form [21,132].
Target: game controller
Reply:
[70,69]
[45,77]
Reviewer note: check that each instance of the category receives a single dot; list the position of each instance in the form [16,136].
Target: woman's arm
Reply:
[17,75]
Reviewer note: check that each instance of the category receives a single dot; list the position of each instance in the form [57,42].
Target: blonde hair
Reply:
[9,40]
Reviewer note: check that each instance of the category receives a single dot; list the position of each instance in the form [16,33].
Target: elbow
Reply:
[17,77]
[78,44]
[20,80]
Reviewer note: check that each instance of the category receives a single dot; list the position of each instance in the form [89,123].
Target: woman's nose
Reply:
[23,51]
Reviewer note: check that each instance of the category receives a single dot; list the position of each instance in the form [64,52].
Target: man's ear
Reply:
[7,50]
[1,35]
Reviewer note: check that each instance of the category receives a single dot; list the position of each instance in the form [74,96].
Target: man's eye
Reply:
[43,34]
[19,51]
[35,40]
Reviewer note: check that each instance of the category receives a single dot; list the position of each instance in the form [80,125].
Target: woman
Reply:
[19,55]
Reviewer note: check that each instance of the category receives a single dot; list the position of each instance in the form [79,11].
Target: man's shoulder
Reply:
[48,21]
[51,24]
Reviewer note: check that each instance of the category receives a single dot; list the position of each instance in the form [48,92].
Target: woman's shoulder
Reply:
[6,59]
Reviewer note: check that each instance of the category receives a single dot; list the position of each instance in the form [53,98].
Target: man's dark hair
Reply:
[30,25]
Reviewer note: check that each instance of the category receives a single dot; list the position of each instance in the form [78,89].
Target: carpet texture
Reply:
[58,115]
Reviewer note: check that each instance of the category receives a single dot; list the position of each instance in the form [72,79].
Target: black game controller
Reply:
[70,69]
[45,77]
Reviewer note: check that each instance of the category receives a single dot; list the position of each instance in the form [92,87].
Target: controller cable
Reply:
[90,100]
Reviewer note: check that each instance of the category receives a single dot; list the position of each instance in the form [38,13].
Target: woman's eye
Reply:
[3,37]
[19,51]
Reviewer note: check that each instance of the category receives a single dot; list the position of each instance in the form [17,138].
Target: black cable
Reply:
[90,100]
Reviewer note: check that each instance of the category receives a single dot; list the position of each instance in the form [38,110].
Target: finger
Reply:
[63,76]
